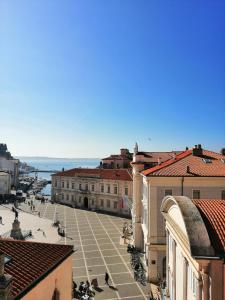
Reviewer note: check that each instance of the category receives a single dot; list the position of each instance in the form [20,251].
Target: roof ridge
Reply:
[168,162]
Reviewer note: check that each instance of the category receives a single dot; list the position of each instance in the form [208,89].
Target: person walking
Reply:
[106,278]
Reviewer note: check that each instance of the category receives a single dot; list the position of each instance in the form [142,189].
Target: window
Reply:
[67,197]
[102,203]
[115,189]
[72,197]
[92,202]
[80,186]
[62,196]
[67,184]
[73,185]
[126,191]
[62,184]
[108,203]
[115,205]
[196,194]
[80,199]
[108,188]
[168,192]
[102,188]
[92,187]
[207,160]
[86,186]
[223,195]
[56,183]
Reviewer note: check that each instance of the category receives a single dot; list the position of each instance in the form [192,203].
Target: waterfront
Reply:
[57,164]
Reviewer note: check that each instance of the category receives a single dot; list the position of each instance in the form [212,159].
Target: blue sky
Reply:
[83,78]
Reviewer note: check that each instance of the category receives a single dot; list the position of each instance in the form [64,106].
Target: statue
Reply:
[16,214]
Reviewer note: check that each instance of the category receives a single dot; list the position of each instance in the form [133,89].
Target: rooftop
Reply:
[213,215]
[113,174]
[31,262]
[208,163]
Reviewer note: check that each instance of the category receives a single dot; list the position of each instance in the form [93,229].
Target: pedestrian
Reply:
[94,283]
[88,284]
[39,214]
[1,220]
[106,278]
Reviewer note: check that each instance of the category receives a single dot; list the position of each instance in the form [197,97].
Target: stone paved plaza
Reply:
[96,237]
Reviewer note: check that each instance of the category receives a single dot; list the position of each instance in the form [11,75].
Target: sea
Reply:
[57,164]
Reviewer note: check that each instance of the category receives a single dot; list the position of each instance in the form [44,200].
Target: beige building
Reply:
[96,189]
[195,173]
[5,183]
[117,161]
[34,271]
[195,248]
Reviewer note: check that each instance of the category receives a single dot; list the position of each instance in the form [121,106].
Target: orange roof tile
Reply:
[187,164]
[113,174]
[31,262]
[213,214]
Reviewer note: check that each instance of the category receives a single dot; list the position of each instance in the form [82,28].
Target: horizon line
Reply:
[52,157]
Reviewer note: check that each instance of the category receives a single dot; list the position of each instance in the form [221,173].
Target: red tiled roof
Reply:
[197,167]
[113,174]
[213,214]
[31,262]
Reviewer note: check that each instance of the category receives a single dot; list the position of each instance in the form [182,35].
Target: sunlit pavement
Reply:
[96,237]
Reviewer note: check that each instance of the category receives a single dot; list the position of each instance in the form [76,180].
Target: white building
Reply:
[5,183]
[195,173]
[10,166]
[195,248]
[97,189]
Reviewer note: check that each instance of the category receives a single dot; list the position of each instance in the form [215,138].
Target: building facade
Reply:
[195,173]
[195,238]
[96,189]
[117,161]
[5,184]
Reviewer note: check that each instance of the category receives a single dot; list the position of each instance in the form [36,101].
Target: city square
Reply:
[96,241]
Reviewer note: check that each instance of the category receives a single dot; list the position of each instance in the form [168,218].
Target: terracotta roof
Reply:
[153,156]
[31,262]
[187,164]
[117,157]
[213,214]
[113,174]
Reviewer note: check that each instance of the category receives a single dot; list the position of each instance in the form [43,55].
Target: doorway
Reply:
[85,202]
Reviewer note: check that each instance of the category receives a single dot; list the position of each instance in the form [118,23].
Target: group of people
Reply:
[85,289]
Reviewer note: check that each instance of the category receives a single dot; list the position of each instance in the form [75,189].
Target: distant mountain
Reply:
[61,158]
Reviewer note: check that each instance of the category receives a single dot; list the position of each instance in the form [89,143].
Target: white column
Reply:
[185,269]
[174,270]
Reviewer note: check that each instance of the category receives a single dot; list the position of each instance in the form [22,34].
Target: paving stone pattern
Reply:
[96,237]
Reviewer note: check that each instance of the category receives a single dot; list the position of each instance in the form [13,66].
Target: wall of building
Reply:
[60,278]
[156,187]
[5,183]
[74,190]
[11,166]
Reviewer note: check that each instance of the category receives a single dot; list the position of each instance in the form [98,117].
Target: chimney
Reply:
[222,151]
[186,148]
[159,160]
[5,280]
[197,150]
[188,169]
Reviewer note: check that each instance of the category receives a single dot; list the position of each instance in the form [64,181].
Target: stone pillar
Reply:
[205,279]
[185,270]
[5,281]
[174,270]
[16,231]
[136,209]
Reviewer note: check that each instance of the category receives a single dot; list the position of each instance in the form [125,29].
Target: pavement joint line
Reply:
[103,258]
[82,249]
[124,260]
